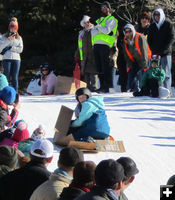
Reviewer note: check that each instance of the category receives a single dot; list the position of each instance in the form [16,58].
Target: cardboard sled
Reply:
[99,145]
[66,85]
[62,126]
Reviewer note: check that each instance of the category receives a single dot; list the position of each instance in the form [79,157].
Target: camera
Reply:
[12,33]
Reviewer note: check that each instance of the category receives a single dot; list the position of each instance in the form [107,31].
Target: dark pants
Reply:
[134,77]
[101,56]
[151,89]
[91,80]
[11,70]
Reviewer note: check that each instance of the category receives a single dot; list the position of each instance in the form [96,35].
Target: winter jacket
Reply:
[153,73]
[142,30]
[92,120]
[97,193]
[142,61]
[161,35]
[14,52]
[3,81]
[4,169]
[70,193]
[5,118]
[20,184]
[52,188]
[48,83]
[87,64]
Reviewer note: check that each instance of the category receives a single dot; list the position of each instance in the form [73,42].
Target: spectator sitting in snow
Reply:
[12,136]
[8,159]
[83,180]
[3,78]
[23,181]
[48,79]
[152,79]
[130,170]
[8,96]
[91,118]
[61,177]
[25,145]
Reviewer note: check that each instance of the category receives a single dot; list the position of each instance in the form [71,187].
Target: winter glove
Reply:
[5,49]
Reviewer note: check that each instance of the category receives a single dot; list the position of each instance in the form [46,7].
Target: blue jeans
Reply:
[166,63]
[11,70]
[134,78]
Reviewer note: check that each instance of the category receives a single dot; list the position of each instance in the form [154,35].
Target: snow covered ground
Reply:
[146,126]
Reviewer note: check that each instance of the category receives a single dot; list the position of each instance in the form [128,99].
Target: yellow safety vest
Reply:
[109,39]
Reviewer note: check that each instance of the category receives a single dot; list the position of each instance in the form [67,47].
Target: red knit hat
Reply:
[21,132]
[14,23]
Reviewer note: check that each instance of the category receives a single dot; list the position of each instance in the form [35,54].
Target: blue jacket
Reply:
[88,108]
[91,121]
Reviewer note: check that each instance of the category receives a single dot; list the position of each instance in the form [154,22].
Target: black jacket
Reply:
[20,184]
[161,40]
[96,193]
[70,193]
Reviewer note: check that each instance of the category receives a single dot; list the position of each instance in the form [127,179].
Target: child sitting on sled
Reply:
[48,79]
[91,120]
[152,79]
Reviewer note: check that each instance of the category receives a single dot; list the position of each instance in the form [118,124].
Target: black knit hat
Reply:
[8,156]
[108,173]
[107,4]
[83,173]
[82,91]
[70,156]
[130,168]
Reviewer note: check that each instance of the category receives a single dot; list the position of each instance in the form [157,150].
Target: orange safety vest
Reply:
[136,40]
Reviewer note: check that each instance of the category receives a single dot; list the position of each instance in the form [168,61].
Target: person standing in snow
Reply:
[160,39]
[11,45]
[84,54]
[104,36]
[91,119]
[137,54]
[143,25]
[48,79]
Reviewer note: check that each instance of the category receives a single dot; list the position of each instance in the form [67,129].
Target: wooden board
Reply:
[99,146]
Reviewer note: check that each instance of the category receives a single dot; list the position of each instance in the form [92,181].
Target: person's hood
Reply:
[130,26]
[162,17]
[97,101]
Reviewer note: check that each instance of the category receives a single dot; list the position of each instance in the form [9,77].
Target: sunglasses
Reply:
[129,31]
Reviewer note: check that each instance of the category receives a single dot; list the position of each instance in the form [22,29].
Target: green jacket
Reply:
[156,73]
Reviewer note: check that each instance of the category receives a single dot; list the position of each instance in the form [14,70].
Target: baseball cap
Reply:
[108,172]
[130,168]
[45,146]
